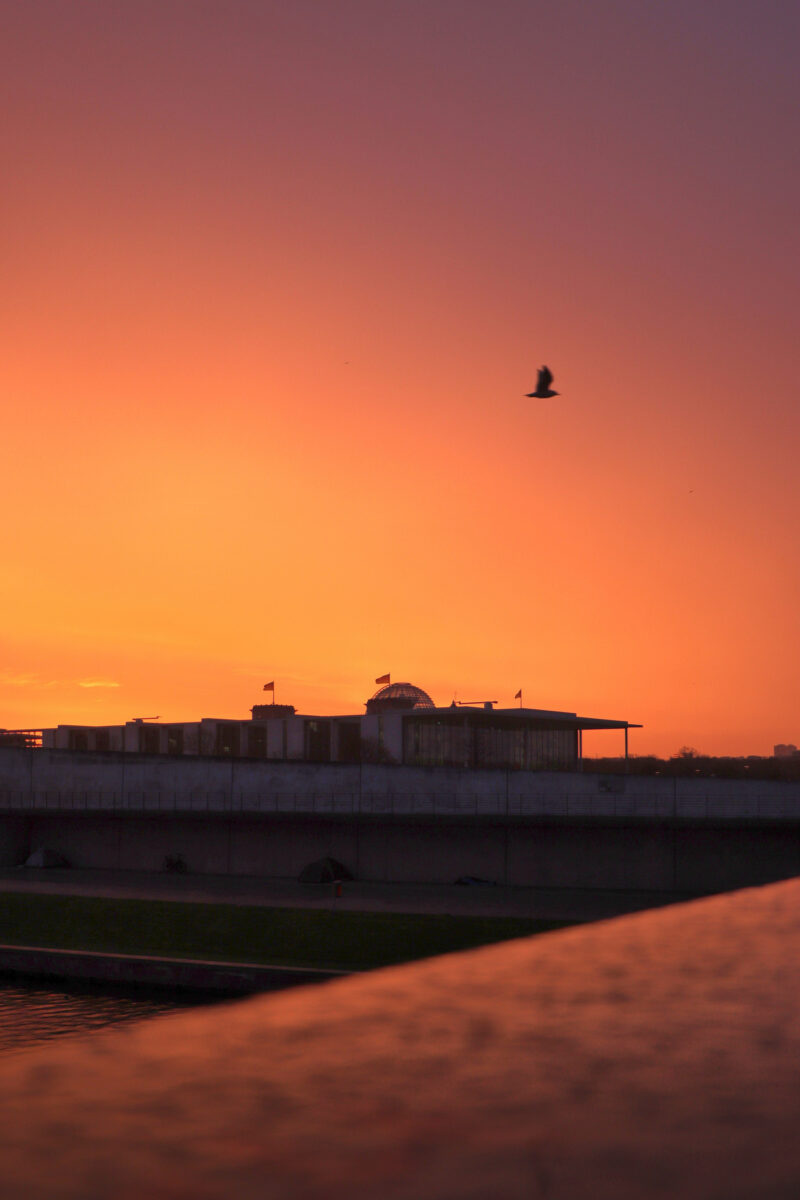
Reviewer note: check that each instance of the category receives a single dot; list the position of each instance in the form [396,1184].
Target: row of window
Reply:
[429,743]
[156,739]
[149,740]
[425,743]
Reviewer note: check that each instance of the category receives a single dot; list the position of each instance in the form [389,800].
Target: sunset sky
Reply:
[275,279]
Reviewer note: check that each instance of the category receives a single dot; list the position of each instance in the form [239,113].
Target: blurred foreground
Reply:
[650,1056]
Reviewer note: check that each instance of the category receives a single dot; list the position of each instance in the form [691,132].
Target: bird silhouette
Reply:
[543,381]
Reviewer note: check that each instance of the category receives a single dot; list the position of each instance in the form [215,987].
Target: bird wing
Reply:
[545,379]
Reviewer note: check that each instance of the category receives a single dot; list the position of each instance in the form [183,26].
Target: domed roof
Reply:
[396,696]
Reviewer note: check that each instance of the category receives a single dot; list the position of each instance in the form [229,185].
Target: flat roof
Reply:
[544,716]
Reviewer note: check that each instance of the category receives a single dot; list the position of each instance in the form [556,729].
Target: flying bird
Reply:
[543,381]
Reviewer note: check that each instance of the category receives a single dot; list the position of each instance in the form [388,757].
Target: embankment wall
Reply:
[398,824]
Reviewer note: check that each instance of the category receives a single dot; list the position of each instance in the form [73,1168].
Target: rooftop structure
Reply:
[27,738]
[399,697]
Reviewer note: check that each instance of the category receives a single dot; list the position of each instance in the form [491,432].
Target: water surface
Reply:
[32,1011]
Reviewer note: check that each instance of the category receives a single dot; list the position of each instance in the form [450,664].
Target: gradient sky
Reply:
[275,279]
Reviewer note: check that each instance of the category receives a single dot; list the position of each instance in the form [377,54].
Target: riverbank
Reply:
[565,905]
[149,973]
[332,939]
[240,934]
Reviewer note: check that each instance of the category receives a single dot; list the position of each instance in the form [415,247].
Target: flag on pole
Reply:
[518,695]
[269,687]
[384,679]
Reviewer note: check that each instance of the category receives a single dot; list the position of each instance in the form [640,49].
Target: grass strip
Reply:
[242,933]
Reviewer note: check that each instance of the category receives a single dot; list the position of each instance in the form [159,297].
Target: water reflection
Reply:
[32,1011]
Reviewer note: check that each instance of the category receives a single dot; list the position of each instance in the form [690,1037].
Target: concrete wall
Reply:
[14,840]
[35,779]
[573,855]
[398,824]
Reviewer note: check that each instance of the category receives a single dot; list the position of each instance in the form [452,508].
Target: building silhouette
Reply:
[400,725]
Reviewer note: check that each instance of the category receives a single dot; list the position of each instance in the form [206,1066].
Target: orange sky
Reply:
[276,280]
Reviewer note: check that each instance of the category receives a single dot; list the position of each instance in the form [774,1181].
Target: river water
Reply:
[33,1012]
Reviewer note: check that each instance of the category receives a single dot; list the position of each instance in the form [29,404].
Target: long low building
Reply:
[401,725]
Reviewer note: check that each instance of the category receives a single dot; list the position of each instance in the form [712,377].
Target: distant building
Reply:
[401,724]
[786,750]
[29,739]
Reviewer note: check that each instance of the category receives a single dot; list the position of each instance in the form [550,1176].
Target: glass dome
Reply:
[398,697]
